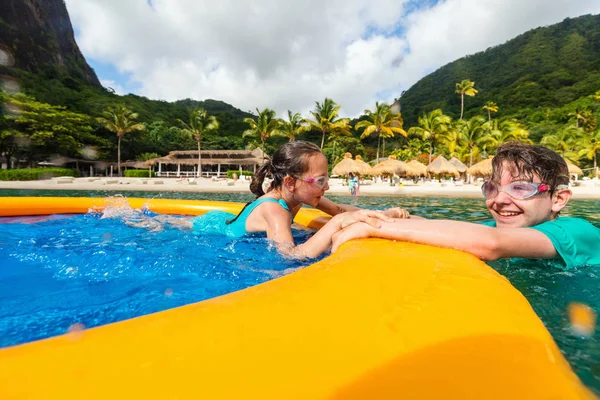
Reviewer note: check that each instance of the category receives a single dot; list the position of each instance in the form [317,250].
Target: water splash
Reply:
[76,331]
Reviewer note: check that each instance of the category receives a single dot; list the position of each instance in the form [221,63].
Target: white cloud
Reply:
[289,54]
[110,84]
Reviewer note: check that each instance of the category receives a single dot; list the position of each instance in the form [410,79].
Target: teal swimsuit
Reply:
[224,223]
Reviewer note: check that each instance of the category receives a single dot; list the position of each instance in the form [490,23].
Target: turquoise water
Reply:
[93,269]
[548,290]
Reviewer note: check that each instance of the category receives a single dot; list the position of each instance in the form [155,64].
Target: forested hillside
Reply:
[545,67]
[41,59]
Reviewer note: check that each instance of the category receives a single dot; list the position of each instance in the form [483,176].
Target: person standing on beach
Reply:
[353,185]
[525,195]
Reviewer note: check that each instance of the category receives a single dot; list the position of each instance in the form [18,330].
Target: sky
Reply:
[288,54]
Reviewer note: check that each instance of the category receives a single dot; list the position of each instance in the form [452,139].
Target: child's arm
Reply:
[331,208]
[485,242]
[278,230]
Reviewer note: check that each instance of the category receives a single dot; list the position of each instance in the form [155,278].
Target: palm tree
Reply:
[465,87]
[591,147]
[472,132]
[490,107]
[431,125]
[505,131]
[381,122]
[451,139]
[326,120]
[413,149]
[563,141]
[200,123]
[263,127]
[120,120]
[587,118]
[292,127]
[589,123]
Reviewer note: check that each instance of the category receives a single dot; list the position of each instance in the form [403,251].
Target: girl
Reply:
[299,176]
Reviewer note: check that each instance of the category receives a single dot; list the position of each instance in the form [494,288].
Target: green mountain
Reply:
[545,67]
[40,58]
[37,36]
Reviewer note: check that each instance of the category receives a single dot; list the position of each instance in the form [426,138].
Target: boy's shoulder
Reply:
[564,222]
[575,240]
[569,223]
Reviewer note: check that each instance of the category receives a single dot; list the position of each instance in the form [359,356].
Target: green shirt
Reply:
[576,240]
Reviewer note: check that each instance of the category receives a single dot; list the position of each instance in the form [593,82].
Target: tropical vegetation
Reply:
[327,121]
[466,87]
[121,121]
[381,122]
[199,125]
[542,87]
[263,127]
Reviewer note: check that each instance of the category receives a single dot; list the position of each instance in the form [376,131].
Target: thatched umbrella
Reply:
[462,168]
[419,169]
[441,166]
[392,166]
[368,170]
[347,166]
[574,169]
[482,169]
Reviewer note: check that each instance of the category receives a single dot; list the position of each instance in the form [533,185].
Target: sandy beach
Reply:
[582,190]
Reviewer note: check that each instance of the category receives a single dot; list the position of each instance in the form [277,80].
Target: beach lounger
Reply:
[64,179]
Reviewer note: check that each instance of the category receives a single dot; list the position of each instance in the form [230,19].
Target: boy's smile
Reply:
[517,213]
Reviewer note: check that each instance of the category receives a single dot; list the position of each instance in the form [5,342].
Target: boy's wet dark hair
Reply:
[531,160]
[290,159]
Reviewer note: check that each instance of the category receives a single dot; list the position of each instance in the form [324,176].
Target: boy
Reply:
[527,190]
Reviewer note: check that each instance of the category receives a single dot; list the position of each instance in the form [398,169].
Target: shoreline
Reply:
[205,185]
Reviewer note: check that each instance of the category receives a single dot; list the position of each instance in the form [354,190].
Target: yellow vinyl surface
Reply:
[377,320]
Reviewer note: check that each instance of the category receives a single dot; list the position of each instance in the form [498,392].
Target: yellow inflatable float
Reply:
[376,320]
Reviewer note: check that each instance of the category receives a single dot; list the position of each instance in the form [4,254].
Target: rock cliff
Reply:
[37,35]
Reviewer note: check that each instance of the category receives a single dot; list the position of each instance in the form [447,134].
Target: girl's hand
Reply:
[354,231]
[370,217]
[397,212]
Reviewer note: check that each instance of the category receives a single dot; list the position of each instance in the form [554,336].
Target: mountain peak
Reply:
[38,35]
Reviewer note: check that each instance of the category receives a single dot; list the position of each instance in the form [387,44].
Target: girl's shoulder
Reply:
[272,208]
[271,200]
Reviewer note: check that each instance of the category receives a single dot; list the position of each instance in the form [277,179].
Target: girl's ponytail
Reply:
[256,186]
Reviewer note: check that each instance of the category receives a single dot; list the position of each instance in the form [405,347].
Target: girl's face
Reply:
[312,184]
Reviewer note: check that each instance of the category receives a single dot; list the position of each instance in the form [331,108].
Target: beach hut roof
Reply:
[574,169]
[441,166]
[368,170]
[458,164]
[256,153]
[482,169]
[418,167]
[391,166]
[212,157]
[348,165]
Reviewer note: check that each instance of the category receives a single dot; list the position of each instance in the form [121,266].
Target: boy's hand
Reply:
[355,231]
[397,212]
[370,217]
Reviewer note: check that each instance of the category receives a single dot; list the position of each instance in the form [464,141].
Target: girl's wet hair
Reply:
[290,159]
[528,161]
